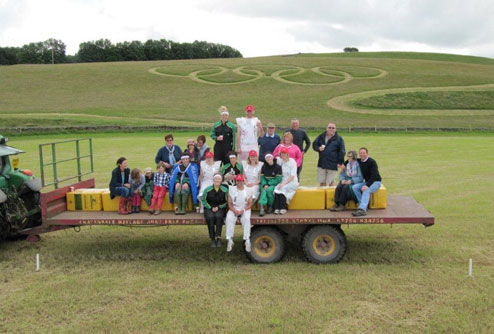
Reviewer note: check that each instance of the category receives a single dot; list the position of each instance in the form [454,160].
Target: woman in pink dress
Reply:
[293,150]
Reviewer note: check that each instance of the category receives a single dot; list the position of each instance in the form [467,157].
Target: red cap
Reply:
[209,154]
[253,153]
[249,108]
[239,177]
[284,150]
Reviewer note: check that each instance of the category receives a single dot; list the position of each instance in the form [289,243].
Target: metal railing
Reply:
[54,161]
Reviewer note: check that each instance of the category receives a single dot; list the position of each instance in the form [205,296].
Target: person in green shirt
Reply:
[270,178]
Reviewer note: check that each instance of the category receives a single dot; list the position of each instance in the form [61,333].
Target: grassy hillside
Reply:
[282,87]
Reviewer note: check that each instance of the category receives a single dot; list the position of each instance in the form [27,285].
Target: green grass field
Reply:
[168,92]
[404,279]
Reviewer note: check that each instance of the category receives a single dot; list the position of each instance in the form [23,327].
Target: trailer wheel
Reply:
[324,244]
[268,245]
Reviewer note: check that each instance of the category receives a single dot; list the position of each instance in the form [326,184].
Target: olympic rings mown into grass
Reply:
[289,74]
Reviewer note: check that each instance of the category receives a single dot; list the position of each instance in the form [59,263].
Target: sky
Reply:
[260,27]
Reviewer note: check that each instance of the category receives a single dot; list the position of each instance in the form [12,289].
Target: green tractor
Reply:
[19,195]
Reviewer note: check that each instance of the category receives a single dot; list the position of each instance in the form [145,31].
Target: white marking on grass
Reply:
[37,261]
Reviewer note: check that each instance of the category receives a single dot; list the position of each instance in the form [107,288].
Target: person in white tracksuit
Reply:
[240,200]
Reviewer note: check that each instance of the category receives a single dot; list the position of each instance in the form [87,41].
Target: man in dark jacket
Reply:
[299,138]
[331,149]
[372,183]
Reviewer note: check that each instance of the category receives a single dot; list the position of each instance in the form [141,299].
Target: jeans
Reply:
[363,198]
[122,192]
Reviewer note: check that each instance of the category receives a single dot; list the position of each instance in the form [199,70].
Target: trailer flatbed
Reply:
[400,210]
[317,231]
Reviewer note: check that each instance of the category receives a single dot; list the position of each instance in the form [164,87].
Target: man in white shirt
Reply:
[239,205]
[249,128]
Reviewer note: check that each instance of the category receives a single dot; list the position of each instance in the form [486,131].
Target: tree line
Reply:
[103,50]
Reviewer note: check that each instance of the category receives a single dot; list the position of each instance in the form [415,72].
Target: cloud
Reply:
[258,27]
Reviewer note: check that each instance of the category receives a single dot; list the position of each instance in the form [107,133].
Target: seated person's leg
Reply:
[357,191]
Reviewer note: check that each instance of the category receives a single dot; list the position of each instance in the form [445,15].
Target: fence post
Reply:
[54,161]
[78,160]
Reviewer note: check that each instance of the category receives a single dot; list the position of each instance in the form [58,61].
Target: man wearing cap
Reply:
[249,129]
[331,149]
[184,179]
[224,133]
[299,137]
[268,142]
[239,205]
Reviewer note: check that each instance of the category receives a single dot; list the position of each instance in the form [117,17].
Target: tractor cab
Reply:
[19,194]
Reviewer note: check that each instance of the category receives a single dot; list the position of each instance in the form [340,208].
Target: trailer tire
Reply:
[268,245]
[324,244]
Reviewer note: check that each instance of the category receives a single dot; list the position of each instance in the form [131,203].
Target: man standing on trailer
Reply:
[299,137]
[331,149]
[224,133]
[240,200]
[372,178]
[268,142]
[249,129]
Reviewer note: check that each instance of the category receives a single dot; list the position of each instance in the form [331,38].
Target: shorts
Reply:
[326,175]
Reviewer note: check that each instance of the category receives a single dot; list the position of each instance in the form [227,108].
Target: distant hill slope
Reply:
[408,55]
[316,88]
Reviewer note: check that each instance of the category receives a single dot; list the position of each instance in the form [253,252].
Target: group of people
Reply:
[224,184]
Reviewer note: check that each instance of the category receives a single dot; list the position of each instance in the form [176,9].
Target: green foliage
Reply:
[42,52]
[8,55]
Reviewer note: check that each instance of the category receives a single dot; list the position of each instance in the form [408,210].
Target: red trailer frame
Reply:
[295,225]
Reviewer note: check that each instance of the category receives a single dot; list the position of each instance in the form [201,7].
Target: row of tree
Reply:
[103,50]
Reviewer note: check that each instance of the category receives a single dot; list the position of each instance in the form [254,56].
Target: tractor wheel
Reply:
[324,244]
[268,245]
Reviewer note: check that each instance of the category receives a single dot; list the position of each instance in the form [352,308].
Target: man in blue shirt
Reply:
[268,142]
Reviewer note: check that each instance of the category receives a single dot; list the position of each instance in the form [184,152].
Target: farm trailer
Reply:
[318,232]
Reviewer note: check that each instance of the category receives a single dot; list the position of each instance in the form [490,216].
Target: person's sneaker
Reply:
[229,245]
[151,212]
[218,243]
[276,212]
[270,209]
[359,212]
[340,208]
[247,246]
[201,210]
[334,207]
[282,211]
[157,212]
[213,244]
